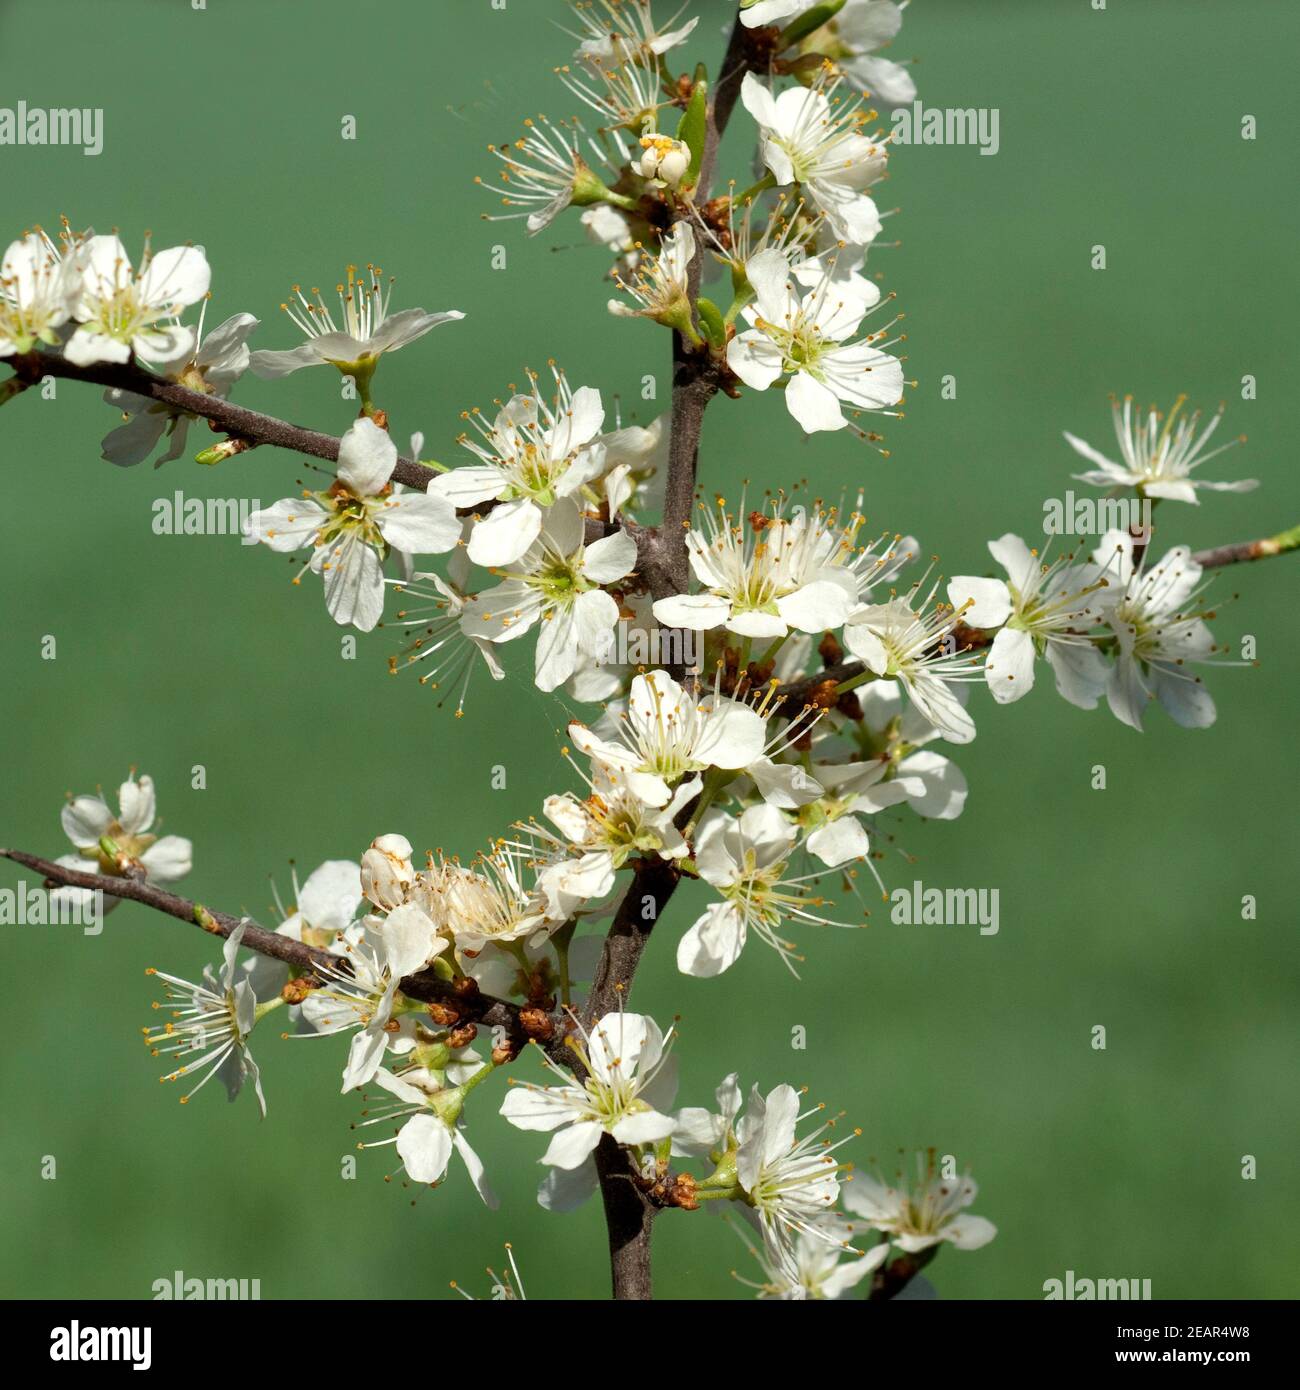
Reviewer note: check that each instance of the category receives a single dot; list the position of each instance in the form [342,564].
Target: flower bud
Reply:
[387,872]
[664,159]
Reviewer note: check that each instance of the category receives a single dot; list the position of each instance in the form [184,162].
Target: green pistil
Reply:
[558,583]
[350,514]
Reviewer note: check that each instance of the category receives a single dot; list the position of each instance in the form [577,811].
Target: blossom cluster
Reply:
[509,927]
[831,661]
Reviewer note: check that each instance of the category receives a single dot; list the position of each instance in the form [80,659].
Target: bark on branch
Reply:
[471,1005]
[252,428]
[225,417]
[629,1213]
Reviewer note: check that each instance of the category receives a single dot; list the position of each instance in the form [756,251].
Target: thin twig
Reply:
[252,428]
[470,1005]
[1241,552]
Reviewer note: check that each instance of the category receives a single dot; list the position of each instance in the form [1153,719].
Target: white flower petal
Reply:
[419,524]
[713,943]
[504,535]
[989,599]
[815,406]
[424,1144]
[354,582]
[571,1147]
[168,859]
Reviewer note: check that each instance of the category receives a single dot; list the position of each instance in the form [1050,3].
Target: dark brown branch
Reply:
[736,62]
[629,1211]
[469,1005]
[643,904]
[697,375]
[894,1276]
[252,428]
[695,383]
[628,1218]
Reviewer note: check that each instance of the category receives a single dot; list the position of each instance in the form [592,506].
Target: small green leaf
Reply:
[693,126]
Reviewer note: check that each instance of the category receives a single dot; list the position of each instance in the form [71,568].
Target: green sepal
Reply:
[812,21]
[715,330]
[442,969]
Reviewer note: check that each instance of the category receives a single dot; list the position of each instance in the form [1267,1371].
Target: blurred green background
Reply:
[1119,907]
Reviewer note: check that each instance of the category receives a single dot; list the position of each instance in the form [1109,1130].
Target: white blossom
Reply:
[213,1019]
[363,996]
[533,453]
[791,1183]
[626,95]
[432,617]
[630,1081]
[919,1215]
[1160,632]
[387,873]
[841,265]
[664,161]
[548,169]
[556,587]
[1041,610]
[364,331]
[612,229]
[701,1133]
[492,903]
[893,767]
[856,35]
[746,859]
[599,835]
[785,224]
[782,572]
[351,527]
[804,337]
[90,823]
[635,464]
[215,364]
[1159,453]
[662,285]
[666,733]
[821,1264]
[908,641]
[40,284]
[120,311]
[754,13]
[811,137]
[430,1131]
[613,31]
